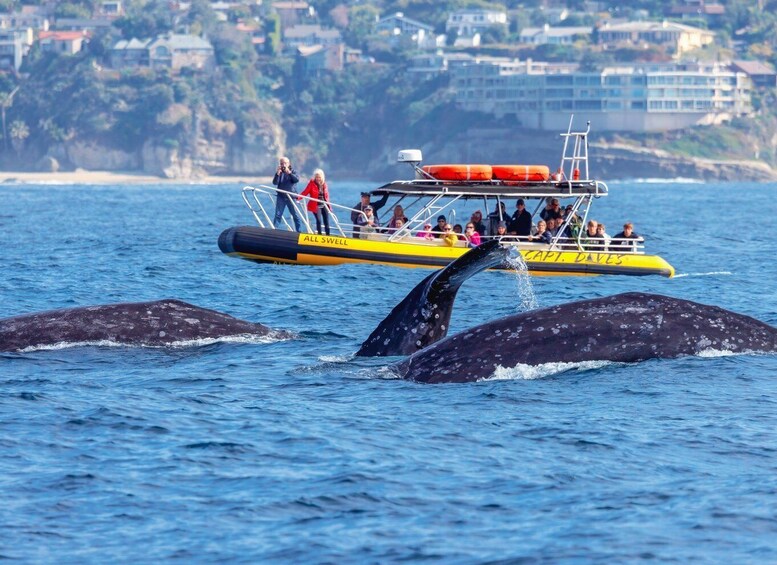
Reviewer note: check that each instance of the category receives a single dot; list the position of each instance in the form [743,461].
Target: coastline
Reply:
[112,177]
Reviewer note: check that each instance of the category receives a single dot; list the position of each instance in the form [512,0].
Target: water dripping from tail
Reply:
[527,298]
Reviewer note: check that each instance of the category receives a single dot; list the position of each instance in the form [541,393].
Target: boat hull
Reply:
[264,245]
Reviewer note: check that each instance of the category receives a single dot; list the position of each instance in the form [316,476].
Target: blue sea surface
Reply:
[292,451]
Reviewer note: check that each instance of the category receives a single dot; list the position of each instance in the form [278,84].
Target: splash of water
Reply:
[523,283]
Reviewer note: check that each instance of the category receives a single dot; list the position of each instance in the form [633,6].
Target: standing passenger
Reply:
[318,190]
[361,207]
[285,178]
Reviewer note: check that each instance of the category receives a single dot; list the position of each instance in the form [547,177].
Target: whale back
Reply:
[156,323]
[622,328]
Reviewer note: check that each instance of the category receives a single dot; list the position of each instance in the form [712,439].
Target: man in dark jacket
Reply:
[520,223]
[365,201]
[286,179]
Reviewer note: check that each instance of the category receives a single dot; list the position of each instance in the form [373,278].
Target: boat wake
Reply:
[709,274]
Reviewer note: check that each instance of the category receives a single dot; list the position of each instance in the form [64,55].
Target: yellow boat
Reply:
[436,190]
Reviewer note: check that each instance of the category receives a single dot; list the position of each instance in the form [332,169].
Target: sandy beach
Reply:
[110,177]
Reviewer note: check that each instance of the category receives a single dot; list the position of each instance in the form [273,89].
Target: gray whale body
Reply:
[157,323]
[627,328]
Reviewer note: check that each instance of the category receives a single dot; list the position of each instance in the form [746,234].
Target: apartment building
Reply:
[654,97]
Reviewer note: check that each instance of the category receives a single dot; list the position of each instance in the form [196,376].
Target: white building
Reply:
[645,98]
[398,26]
[469,22]
[547,35]
[678,37]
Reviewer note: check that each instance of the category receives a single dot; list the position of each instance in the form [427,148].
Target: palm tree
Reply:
[6,100]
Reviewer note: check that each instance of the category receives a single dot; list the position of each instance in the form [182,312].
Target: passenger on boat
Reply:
[625,240]
[473,237]
[520,223]
[440,231]
[398,226]
[594,241]
[501,229]
[552,210]
[361,206]
[542,235]
[449,238]
[601,232]
[285,178]
[477,221]
[426,233]
[318,190]
[498,215]
[367,223]
[459,231]
[399,214]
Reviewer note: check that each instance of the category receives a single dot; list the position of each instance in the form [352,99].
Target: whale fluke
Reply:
[423,317]
[158,323]
[622,328]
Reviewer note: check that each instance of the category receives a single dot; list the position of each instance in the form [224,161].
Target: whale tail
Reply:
[423,316]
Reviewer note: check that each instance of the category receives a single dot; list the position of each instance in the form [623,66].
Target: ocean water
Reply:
[292,451]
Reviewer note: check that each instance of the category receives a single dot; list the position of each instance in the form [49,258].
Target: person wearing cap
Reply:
[286,179]
[520,223]
[501,229]
[426,233]
[359,209]
[440,231]
[366,222]
[552,210]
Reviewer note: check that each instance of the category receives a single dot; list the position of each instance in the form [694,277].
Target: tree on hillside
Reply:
[145,20]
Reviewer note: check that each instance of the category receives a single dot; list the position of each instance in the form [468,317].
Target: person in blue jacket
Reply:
[286,178]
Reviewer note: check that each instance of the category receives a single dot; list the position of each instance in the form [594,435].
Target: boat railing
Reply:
[269,193]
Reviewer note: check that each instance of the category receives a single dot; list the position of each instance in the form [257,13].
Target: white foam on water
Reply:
[531,372]
[201,342]
[335,358]
[710,274]
[710,352]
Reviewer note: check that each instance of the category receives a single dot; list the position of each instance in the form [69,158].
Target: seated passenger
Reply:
[473,237]
[520,223]
[426,233]
[594,242]
[440,229]
[459,231]
[399,214]
[625,240]
[501,229]
[542,235]
[477,221]
[600,232]
[367,223]
[449,238]
[498,215]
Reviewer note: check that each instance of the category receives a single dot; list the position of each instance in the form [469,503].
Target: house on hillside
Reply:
[26,18]
[176,51]
[171,51]
[697,10]
[62,42]
[13,48]
[678,38]
[293,12]
[470,22]
[309,36]
[399,27]
[129,53]
[312,60]
[762,75]
[547,35]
